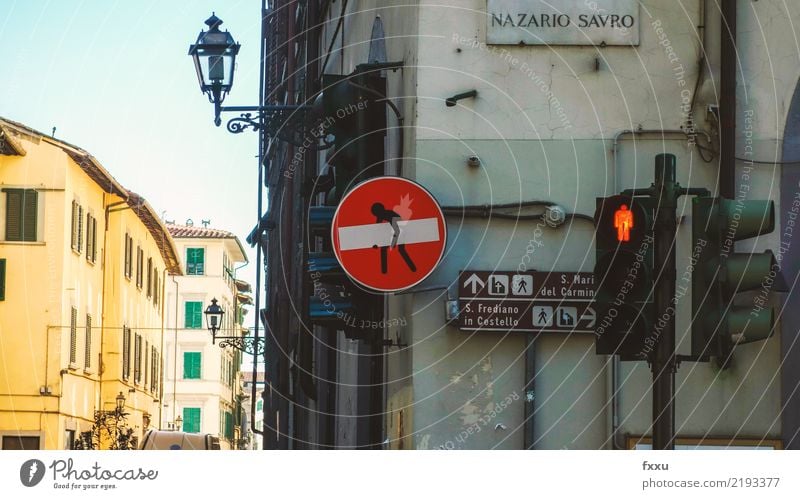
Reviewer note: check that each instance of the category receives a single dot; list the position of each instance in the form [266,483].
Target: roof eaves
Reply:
[158,230]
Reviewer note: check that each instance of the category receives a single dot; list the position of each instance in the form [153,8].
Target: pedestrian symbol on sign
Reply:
[522,285]
[542,316]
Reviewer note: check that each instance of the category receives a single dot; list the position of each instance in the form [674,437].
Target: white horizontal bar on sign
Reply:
[355,237]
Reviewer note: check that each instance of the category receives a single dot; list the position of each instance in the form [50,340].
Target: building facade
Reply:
[202,385]
[83,263]
[562,113]
[253,408]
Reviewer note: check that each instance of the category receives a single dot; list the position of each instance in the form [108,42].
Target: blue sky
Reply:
[114,78]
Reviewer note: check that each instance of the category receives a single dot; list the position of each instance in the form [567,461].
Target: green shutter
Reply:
[228,425]
[21,210]
[191,419]
[2,279]
[192,362]
[193,315]
[195,261]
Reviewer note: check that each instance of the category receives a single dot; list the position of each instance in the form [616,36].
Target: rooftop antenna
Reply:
[54,133]
[205,223]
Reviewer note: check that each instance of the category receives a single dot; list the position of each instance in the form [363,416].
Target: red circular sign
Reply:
[388,234]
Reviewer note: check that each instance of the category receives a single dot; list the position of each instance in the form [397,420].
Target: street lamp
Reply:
[214,55]
[247,344]
[120,403]
[214,315]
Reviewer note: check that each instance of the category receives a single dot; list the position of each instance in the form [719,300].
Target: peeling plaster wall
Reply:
[543,124]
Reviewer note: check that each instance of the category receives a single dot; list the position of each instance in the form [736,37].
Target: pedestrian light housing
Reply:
[214,315]
[214,54]
[624,276]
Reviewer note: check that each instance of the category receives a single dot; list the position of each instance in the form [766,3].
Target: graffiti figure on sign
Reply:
[399,212]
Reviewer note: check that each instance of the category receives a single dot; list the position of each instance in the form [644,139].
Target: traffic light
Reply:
[719,273]
[353,113]
[623,276]
[330,302]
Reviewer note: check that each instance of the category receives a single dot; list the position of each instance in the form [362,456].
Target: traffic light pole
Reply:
[663,361]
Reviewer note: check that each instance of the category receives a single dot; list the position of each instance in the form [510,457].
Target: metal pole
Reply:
[727,106]
[663,360]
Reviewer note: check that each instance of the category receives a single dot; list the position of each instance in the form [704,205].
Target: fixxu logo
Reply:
[31,472]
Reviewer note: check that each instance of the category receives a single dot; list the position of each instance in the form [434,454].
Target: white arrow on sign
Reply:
[474,281]
[368,236]
[589,315]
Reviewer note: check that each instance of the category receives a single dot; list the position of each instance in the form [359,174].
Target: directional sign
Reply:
[388,234]
[526,301]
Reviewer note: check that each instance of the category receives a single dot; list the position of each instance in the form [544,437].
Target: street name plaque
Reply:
[562,22]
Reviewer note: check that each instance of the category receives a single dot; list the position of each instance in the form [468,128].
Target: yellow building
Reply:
[83,263]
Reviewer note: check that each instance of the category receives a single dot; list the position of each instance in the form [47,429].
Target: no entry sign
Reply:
[388,234]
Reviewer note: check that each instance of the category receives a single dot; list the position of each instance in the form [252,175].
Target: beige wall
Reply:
[41,391]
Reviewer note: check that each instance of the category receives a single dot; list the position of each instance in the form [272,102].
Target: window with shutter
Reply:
[192,365]
[137,359]
[139,266]
[228,425]
[191,419]
[153,369]
[149,277]
[79,244]
[91,238]
[2,279]
[73,336]
[87,348]
[193,314]
[21,213]
[126,352]
[156,288]
[128,256]
[195,261]
[74,239]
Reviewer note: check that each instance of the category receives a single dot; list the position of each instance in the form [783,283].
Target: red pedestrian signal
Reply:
[623,222]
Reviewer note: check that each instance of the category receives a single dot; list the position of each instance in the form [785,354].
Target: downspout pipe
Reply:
[727,98]
[162,310]
[175,354]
